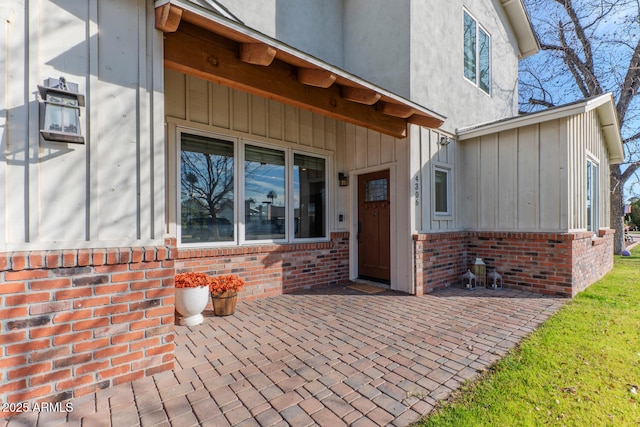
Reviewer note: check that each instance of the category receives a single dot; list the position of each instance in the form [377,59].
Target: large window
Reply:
[592,197]
[206,190]
[477,54]
[309,196]
[281,195]
[441,191]
[265,203]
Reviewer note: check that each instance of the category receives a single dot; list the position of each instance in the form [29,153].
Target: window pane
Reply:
[376,190]
[309,192]
[469,48]
[264,191]
[206,189]
[441,195]
[484,60]
[588,195]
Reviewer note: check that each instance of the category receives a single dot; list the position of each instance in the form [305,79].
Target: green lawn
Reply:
[580,368]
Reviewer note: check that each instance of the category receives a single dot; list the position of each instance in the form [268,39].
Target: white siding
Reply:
[431,154]
[108,191]
[195,103]
[517,179]
[584,129]
[355,150]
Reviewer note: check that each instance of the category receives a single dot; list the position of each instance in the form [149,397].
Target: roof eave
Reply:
[604,106]
[521,25]
[420,115]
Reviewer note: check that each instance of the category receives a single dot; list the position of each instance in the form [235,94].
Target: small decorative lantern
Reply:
[60,107]
[480,270]
[469,280]
[343,179]
[495,280]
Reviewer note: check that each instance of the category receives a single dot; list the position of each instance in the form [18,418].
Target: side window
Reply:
[309,196]
[441,191]
[477,54]
[592,196]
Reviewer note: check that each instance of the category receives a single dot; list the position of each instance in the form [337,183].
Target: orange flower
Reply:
[191,280]
[220,284]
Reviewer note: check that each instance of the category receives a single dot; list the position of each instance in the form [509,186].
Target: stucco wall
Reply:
[411,47]
[436,72]
[315,27]
[108,191]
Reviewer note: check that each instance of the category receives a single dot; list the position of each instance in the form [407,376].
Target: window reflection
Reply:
[265,197]
[309,196]
[206,189]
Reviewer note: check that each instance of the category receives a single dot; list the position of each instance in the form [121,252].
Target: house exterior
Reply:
[294,143]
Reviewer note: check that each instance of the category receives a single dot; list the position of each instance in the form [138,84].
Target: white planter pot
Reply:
[190,302]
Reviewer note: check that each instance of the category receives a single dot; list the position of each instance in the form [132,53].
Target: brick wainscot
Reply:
[560,264]
[74,321]
[274,269]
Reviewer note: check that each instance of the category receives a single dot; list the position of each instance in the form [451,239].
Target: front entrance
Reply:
[373,227]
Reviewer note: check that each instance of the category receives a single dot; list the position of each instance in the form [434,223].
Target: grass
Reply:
[580,368]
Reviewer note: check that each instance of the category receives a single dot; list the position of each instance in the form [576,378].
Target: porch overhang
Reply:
[215,47]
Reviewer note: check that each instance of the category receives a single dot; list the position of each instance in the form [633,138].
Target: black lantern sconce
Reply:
[60,105]
[343,179]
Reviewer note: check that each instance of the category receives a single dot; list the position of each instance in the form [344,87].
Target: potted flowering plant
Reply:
[191,297]
[224,293]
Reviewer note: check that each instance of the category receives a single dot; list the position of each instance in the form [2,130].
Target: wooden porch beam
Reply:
[426,121]
[205,55]
[168,18]
[360,95]
[396,110]
[257,54]
[316,77]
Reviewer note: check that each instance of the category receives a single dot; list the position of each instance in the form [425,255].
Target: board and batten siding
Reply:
[110,190]
[206,106]
[195,103]
[516,179]
[427,155]
[533,178]
[585,130]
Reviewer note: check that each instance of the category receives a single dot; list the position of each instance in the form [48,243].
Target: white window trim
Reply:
[448,215]
[479,27]
[238,182]
[595,201]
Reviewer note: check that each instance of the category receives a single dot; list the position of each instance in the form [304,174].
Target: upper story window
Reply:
[477,54]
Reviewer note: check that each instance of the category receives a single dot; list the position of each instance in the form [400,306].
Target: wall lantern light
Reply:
[445,140]
[60,105]
[343,179]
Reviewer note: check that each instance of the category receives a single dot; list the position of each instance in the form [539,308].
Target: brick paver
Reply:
[324,357]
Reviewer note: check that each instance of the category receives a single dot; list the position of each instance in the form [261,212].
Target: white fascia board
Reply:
[278,45]
[521,25]
[610,126]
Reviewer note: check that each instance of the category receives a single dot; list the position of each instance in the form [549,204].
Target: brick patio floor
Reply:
[327,357]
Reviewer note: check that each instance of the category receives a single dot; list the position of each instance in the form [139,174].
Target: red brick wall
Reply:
[547,263]
[440,260]
[75,321]
[274,269]
[592,259]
